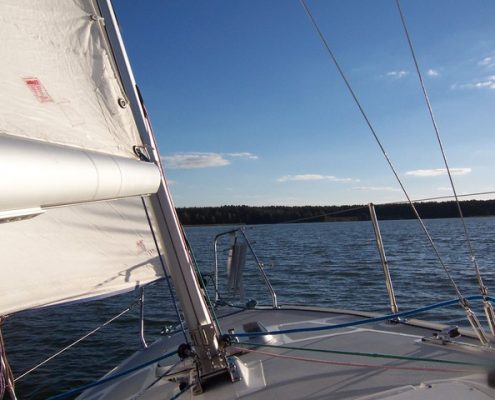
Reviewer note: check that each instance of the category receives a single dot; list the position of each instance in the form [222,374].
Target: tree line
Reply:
[227,215]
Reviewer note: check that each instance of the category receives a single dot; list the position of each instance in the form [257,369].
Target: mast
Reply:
[205,337]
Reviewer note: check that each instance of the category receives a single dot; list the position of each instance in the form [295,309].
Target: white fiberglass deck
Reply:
[278,372]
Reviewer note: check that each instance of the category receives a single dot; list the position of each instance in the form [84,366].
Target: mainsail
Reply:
[62,99]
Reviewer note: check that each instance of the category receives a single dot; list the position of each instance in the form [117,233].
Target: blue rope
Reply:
[402,314]
[280,332]
[80,389]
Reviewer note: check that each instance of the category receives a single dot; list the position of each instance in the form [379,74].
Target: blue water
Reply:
[326,264]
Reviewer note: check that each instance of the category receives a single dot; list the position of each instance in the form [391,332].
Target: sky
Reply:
[248,108]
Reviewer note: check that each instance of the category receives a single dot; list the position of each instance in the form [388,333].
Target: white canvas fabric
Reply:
[77,252]
[57,78]
[58,84]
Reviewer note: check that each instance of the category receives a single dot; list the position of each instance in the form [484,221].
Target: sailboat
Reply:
[86,213]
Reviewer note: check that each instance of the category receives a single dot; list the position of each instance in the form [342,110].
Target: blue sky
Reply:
[248,108]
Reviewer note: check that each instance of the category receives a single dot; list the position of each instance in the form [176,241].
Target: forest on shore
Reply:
[248,215]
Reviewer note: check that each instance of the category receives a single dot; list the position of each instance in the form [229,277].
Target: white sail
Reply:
[62,101]
[76,252]
[58,80]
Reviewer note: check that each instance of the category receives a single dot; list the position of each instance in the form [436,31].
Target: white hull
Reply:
[270,372]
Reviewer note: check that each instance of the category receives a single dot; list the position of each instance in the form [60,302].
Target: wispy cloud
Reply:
[245,155]
[433,73]
[487,62]
[203,160]
[314,177]
[485,83]
[397,74]
[376,188]
[438,172]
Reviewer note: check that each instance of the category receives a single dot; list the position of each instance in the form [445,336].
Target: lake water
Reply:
[325,264]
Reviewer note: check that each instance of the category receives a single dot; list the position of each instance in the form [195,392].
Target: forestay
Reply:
[60,86]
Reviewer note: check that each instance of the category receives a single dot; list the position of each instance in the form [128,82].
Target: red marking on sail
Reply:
[141,246]
[38,90]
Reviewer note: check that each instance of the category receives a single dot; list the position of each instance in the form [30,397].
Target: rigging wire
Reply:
[76,341]
[202,282]
[470,315]
[174,301]
[444,197]
[483,288]
[7,381]
[357,208]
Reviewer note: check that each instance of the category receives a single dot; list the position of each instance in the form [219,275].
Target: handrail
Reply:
[259,263]
[141,319]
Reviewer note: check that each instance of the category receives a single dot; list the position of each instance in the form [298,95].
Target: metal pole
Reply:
[262,270]
[205,336]
[383,257]
[141,319]
[216,270]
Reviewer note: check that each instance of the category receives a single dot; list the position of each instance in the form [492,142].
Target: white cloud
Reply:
[487,62]
[438,172]
[203,160]
[444,189]
[194,160]
[484,83]
[397,74]
[314,177]
[376,188]
[433,72]
[245,155]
